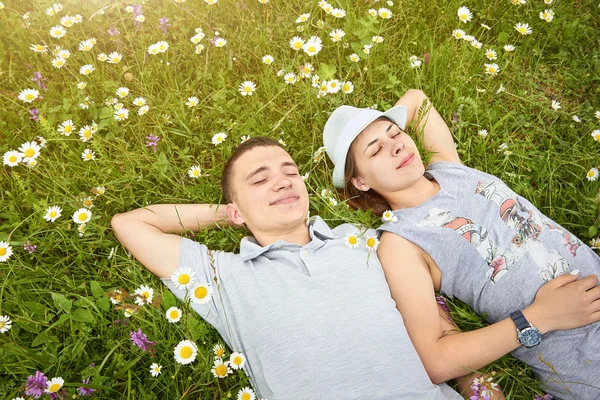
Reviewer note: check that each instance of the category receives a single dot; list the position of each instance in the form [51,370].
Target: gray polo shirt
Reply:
[314,321]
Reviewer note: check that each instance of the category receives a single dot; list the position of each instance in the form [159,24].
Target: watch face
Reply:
[530,337]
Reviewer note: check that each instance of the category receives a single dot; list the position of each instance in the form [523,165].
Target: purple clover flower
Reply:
[35,115]
[152,141]
[28,246]
[113,31]
[36,385]
[141,340]
[37,77]
[83,391]
[441,300]
[164,24]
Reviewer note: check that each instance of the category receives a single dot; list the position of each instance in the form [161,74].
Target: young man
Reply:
[313,316]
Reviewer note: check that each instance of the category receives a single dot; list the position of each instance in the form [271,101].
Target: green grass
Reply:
[62,321]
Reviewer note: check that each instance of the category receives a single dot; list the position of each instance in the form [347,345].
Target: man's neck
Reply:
[413,196]
[297,235]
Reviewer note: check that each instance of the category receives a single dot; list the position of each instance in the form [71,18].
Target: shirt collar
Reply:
[317,230]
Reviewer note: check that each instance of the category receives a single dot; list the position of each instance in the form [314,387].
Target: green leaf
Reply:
[42,338]
[168,299]
[82,315]
[326,71]
[96,289]
[106,112]
[502,37]
[35,308]
[62,302]
[103,303]
[593,231]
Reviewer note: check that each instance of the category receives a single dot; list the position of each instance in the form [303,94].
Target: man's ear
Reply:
[360,185]
[234,214]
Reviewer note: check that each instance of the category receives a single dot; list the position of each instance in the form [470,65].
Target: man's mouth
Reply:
[287,199]
[406,161]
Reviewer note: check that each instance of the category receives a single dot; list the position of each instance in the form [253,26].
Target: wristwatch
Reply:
[527,334]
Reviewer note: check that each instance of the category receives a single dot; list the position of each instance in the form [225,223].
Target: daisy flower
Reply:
[372,242]
[306,70]
[88,155]
[555,105]
[576,118]
[197,38]
[354,57]
[145,294]
[211,2]
[183,277]
[162,46]
[290,78]
[491,69]
[87,45]
[153,49]
[116,296]
[596,135]
[143,110]
[218,138]
[121,114]
[5,321]
[194,172]
[313,46]
[333,86]
[337,35]
[140,18]
[244,138]
[491,54]
[458,34]
[547,15]
[57,31]
[246,394]
[67,21]
[28,95]
[63,54]
[220,42]
[82,216]
[518,2]
[595,243]
[464,14]
[52,213]
[384,13]
[54,385]
[155,369]
[592,174]
[12,158]
[477,44]
[86,69]
[139,101]
[247,88]
[268,59]
[338,12]
[173,315]
[483,132]
[5,251]
[372,12]
[523,29]
[81,85]
[548,1]
[29,151]
[414,62]
[263,1]
[389,216]
[219,350]
[85,133]
[102,57]
[220,369]
[185,352]
[192,101]
[351,240]
[38,48]
[302,18]
[347,87]
[122,92]
[114,57]
[237,361]
[199,48]
[509,47]
[201,293]
[296,43]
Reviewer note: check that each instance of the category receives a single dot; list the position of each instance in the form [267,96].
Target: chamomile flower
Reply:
[268,59]
[336,35]
[183,277]
[67,21]
[143,109]
[218,138]
[116,297]
[57,31]
[347,87]
[576,118]
[86,69]
[5,321]
[29,151]
[38,48]
[192,101]
[197,38]
[523,29]
[246,394]
[509,48]
[194,172]
[338,12]
[354,57]
[220,369]
[296,43]
[144,295]
[237,360]
[153,49]
[377,39]
[115,57]
[491,54]
[372,12]
[85,133]
[87,45]
[5,251]
[464,14]
[219,350]
[162,46]
[199,48]
[306,70]
[81,85]
[414,62]
[185,352]
[555,105]
[518,2]
[592,174]
[122,92]
[139,101]
[548,1]
[12,158]
[595,243]
[201,293]
[54,385]
[372,243]
[384,13]
[491,69]
[596,135]
[52,213]
[303,18]
[597,114]
[313,46]
[173,315]
[244,138]
[220,42]
[389,216]
[121,114]
[290,78]
[458,34]
[82,216]
[155,369]
[483,132]
[140,18]
[547,15]
[246,88]
[88,155]
[28,95]
[210,2]
[352,240]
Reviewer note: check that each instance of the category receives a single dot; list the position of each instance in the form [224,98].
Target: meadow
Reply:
[108,106]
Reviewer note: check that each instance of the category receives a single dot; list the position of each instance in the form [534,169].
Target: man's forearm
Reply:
[179,218]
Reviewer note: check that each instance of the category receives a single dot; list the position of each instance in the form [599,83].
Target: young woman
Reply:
[466,234]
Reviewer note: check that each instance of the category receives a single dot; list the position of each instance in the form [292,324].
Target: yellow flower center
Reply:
[247,89]
[13,159]
[370,242]
[118,297]
[54,387]
[115,59]
[68,128]
[590,173]
[298,45]
[87,134]
[352,240]
[183,279]
[246,396]
[186,352]
[311,49]
[29,96]
[237,360]
[200,292]
[146,295]
[3,251]
[463,16]
[52,214]
[522,30]
[2,324]
[221,370]
[174,314]
[88,156]
[29,152]
[82,217]
[220,352]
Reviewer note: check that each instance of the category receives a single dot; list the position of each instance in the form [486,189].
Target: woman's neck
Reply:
[413,196]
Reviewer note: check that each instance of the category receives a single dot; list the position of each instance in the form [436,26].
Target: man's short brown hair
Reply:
[227,177]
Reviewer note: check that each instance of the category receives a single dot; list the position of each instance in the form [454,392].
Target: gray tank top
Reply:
[495,250]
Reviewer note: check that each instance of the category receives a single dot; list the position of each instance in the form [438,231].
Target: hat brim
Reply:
[397,114]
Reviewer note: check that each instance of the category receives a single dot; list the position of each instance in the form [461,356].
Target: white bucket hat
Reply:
[344,125]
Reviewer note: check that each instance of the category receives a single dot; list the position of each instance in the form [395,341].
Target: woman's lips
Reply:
[406,161]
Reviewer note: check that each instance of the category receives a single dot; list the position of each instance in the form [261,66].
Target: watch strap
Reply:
[519,320]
